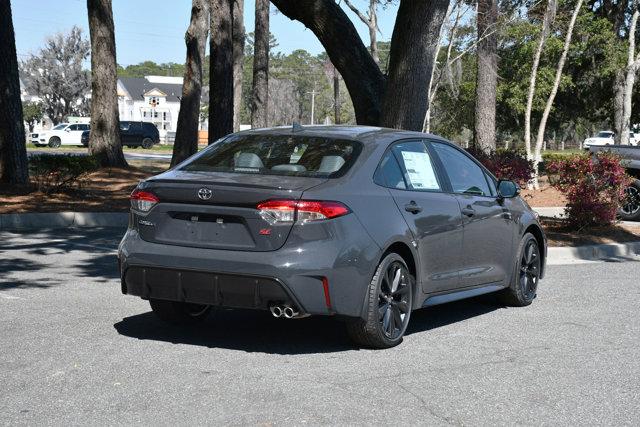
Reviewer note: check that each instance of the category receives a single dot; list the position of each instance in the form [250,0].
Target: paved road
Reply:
[73,350]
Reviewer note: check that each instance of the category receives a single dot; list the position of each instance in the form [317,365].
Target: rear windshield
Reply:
[277,155]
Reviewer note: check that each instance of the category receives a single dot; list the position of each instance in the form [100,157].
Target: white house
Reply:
[153,99]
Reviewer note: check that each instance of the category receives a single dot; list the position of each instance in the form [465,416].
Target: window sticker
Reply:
[420,171]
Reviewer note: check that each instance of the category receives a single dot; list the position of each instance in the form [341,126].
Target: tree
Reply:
[633,64]
[238,38]
[32,113]
[261,47]
[549,16]
[56,75]
[370,19]
[398,101]
[487,75]
[556,84]
[221,80]
[186,141]
[104,142]
[13,152]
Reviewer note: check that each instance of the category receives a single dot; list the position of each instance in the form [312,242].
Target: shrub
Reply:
[506,164]
[55,172]
[593,185]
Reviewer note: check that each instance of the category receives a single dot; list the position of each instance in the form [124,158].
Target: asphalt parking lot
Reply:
[73,350]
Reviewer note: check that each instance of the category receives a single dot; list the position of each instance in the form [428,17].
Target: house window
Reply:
[144,114]
[164,116]
[155,114]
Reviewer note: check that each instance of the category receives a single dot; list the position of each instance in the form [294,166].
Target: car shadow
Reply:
[257,331]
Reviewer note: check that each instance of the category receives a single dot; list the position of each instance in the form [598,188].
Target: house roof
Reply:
[138,86]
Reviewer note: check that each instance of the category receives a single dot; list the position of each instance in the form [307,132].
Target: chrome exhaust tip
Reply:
[276,311]
[289,312]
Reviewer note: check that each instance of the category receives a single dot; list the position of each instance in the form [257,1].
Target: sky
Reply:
[154,30]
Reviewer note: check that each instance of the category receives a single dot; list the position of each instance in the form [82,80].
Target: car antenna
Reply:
[296,127]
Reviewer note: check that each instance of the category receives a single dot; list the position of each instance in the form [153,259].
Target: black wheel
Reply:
[630,209]
[147,143]
[524,282]
[179,313]
[389,302]
[54,142]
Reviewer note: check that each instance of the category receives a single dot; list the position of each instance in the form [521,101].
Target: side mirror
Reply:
[67,130]
[507,189]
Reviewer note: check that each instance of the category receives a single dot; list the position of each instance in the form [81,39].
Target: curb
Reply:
[575,255]
[34,221]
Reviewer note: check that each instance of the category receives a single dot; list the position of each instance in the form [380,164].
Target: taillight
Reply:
[300,211]
[143,201]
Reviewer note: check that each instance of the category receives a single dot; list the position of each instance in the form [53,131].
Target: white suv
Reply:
[62,134]
[606,137]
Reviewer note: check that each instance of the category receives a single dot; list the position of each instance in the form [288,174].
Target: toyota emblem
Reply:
[205,193]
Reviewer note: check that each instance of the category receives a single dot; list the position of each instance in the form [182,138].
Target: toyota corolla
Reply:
[361,223]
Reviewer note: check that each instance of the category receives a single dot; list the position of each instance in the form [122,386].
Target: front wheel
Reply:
[179,313]
[389,302]
[147,143]
[55,142]
[630,209]
[524,282]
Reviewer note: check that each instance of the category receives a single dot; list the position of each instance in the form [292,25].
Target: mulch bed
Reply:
[558,234]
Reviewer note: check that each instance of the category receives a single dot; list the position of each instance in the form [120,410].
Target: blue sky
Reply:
[154,30]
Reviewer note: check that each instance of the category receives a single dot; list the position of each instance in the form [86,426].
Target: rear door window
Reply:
[278,155]
[417,166]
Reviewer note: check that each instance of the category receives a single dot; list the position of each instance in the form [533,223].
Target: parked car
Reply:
[362,223]
[606,137]
[62,134]
[134,135]
[630,211]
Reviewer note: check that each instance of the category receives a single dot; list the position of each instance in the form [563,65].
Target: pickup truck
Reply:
[630,155]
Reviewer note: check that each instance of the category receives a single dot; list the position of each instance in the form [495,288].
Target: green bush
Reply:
[53,172]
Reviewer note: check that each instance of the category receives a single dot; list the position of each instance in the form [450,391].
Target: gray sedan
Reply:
[362,223]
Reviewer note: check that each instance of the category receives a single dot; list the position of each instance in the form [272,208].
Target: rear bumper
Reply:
[243,279]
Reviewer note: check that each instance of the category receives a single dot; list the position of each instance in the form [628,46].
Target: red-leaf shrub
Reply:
[506,164]
[593,185]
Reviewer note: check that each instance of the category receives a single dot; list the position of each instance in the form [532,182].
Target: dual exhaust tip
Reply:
[285,311]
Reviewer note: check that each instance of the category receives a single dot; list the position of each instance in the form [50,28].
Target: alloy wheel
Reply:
[631,201]
[530,269]
[394,300]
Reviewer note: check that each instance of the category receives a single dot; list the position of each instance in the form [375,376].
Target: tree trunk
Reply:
[13,151]
[348,54]
[487,76]
[221,70]
[336,96]
[618,104]
[633,64]
[411,59]
[238,59]
[186,141]
[546,24]
[104,142]
[556,82]
[260,94]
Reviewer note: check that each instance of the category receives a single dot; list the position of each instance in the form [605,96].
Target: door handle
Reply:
[412,207]
[468,211]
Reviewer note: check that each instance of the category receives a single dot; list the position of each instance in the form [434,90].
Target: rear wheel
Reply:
[524,282]
[389,302]
[147,143]
[179,313]
[630,209]
[54,142]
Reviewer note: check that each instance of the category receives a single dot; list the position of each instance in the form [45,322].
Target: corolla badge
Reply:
[205,193]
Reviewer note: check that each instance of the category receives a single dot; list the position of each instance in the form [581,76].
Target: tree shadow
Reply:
[256,331]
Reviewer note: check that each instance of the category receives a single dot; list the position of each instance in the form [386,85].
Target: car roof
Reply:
[365,134]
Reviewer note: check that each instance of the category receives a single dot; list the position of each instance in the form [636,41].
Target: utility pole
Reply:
[313,104]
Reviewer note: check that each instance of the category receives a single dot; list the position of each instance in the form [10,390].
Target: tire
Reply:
[630,209]
[526,276]
[179,313]
[385,307]
[147,143]
[54,142]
